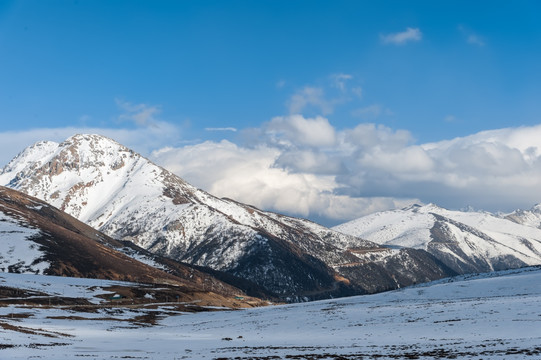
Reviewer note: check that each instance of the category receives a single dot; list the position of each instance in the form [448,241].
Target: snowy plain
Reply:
[488,316]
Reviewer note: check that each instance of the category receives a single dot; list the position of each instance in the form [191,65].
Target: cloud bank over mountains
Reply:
[307,167]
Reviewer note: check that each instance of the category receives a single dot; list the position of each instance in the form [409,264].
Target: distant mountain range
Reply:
[115,190]
[466,242]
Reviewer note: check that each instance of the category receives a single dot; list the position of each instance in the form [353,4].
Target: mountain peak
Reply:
[422,208]
[94,147]
[411,207]
[95,139]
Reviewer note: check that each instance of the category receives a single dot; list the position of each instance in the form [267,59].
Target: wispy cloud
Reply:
[475,40]
[450,118]
[140,114]
[358,92]
[310,96]
[401,38]
[336,89]
[371,112]
[221,129]
[471,37]
[339,81]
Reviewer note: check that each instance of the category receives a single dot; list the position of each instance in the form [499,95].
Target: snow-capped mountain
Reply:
[530,217]
[37,238]
[465,241]
[121,193]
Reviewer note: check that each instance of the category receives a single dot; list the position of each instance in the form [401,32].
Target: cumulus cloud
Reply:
[351,172]
[250,175]
[401,38]
[366,137]
[299,167]
[306,167]
[300,131]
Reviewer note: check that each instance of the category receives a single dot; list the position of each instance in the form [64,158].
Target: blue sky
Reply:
[436,70]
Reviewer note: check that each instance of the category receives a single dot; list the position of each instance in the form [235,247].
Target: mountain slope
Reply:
[464,241]
[117,191]
[37,238]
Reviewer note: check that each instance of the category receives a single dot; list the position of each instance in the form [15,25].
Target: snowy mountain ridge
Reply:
[531,217]
[465,241]
[119,192]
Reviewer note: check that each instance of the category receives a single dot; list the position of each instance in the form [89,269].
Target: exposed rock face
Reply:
[466,242]
[119,192]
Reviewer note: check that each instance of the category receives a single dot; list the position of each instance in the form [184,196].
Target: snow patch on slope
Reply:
[19,253]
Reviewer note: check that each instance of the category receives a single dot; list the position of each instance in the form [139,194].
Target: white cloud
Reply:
[249,175]
[401,38]
[301,131]
[366,168]
[309,161]
[306,167]
[367,136]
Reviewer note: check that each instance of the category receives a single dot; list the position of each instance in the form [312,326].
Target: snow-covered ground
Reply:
[491,316]
[19,252]
[61,286]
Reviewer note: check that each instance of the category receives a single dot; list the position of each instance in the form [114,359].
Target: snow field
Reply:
[481,317]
